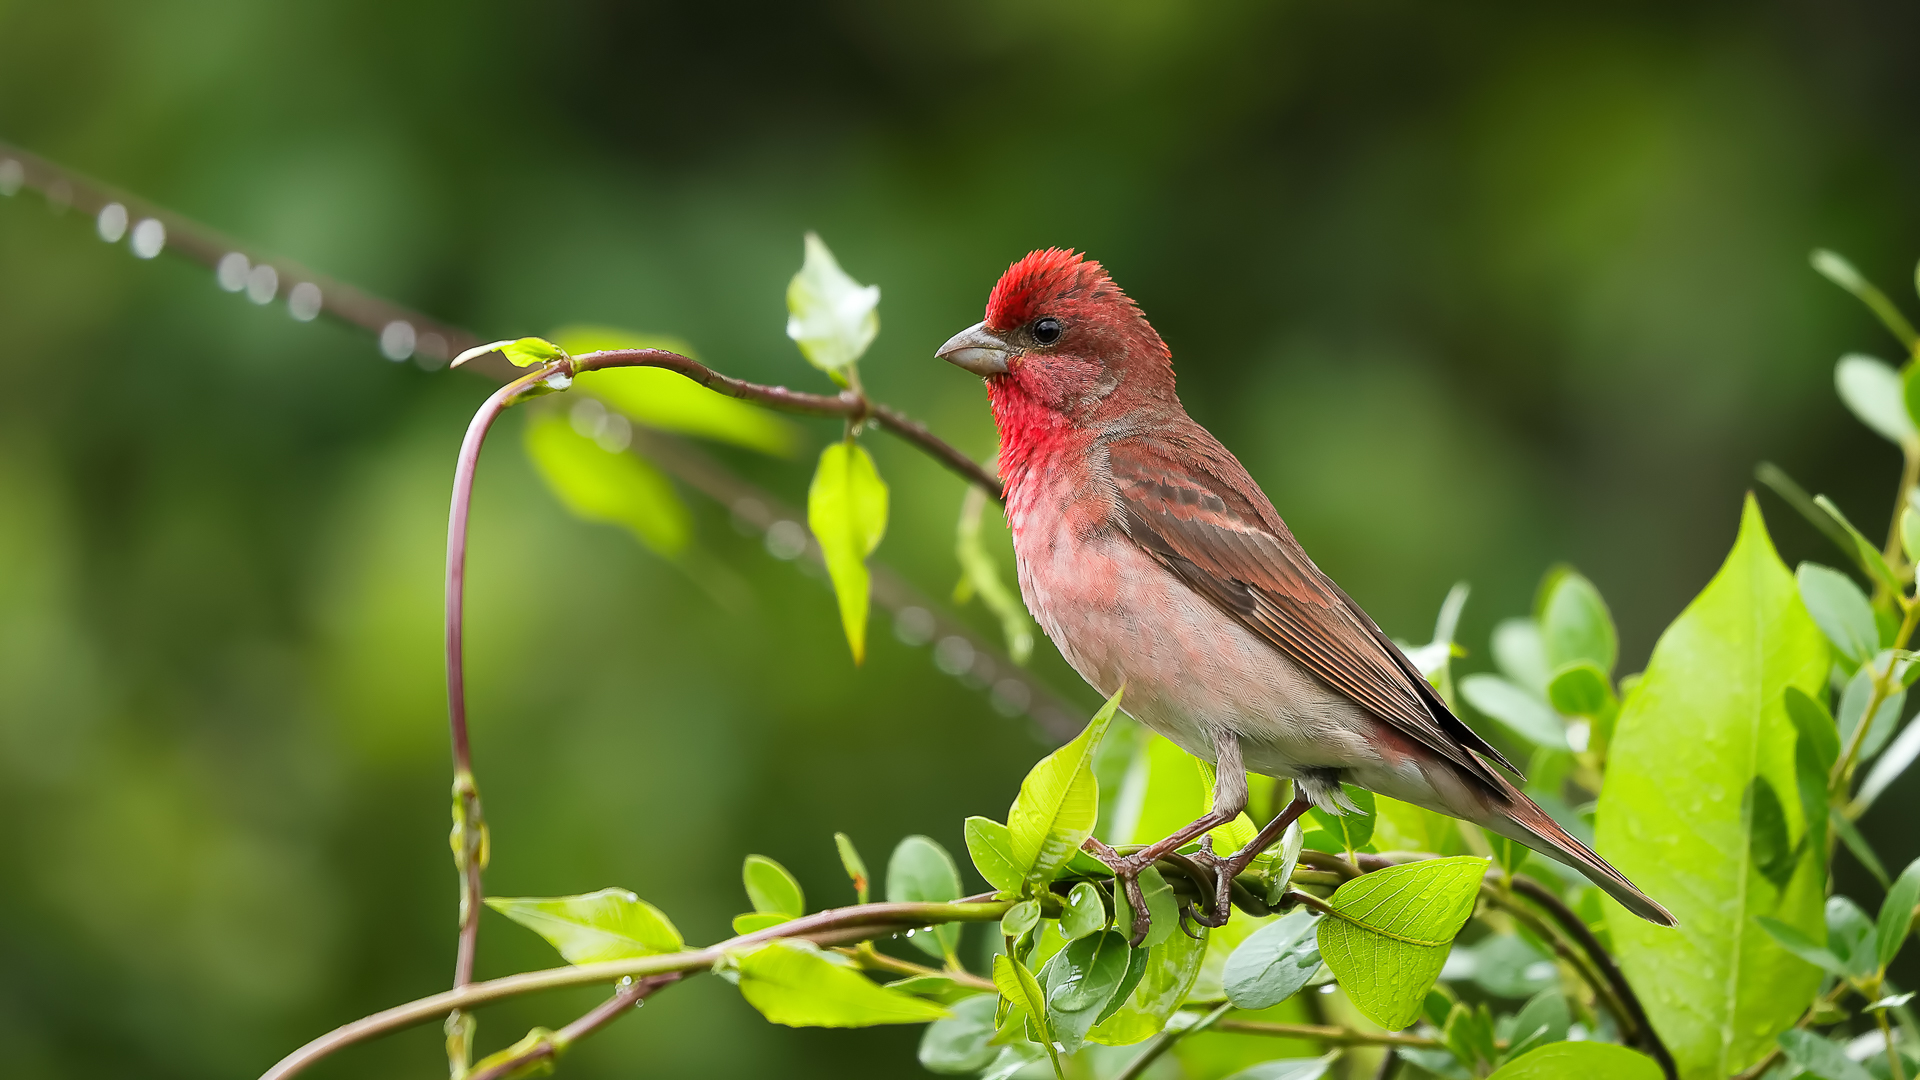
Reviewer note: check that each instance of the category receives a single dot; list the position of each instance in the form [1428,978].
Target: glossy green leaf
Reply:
[1874,393]
[669,401]
[1391,930]
[980,576]
[791,983]
[1707,719]
[754,922]
[1896,914]
[612,924]
[855,866]
[1274,963]
[1839,609]
[1085,912]
[1168,972]
[960,1043]
[771,889]
[1081,980]
[1018,986]
[1058,804]
[521,352]
[1580,689]
[1575,625]
[615,488]
[1820,1058]
[1020,918]
[991,849]
[832,317]
[847,511]
[1353,828]
[1518,710]
[1835,268]
[922,871]
[945,989]
[1280,872]
[1579,1061]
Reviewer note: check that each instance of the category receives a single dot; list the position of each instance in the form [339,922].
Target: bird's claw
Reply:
[1126,876]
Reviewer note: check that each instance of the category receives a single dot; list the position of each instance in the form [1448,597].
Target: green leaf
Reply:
[922,871]
[757,921]
[1773,850]
[1708,717]
[960,1043]
[1544,1019]
[615,488]
[1840,609]
[1835,268]
[1274,963]
[1058,804]
[847,511]
[540,1066]
[980,576]
[1822,1058]
[771,889]
[1579,1061]
[669,401]
[1851,936]
[1081,980]
[1508,855]
[521,352]
[1018,986]
[1850,836]
[1813,723]
[1020,918]
[1521,654]
[1864,550]
[1575,625]
[1468,1034]
[1853,707]
[1802,946]
[1353,829]
[855,866]
[1391,930]
[1168,972]
[791,983]
[612,924]
[944,989]
[1796,496]
[1896,914]
[1085,913]
[1580,689]
[1288,1069]
[1910,516]
[991,849]
[1888,768]
[832,317]
[1518,710]
[1816,745]
[1875,394]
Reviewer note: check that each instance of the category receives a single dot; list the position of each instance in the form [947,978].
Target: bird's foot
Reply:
[1221,872]
[1126,882]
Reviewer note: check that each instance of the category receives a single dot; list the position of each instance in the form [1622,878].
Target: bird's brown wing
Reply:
[1195,510]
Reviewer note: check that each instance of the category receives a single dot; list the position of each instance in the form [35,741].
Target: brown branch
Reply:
[559,1042]
[1325,1033]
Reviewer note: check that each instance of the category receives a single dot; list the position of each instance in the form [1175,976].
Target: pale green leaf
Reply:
[1085,912]
[1518,710]
[612,924]
[1288,1068]
[1575,624]
[1018,986]
[791,983]
[855,866]
[1579,1061]
[1874,393]
[1390,932]
[1820,1058]
[532,1040]
[771,889]
[669,401]
[847,511]
[1835,268]
[1839,609]
[922,871]
[991,850]
[522,352]
[615,488]
[1707,721]
[754,922]
[960,1043]
[1170,970]
[1896,914]
[1020,918]
[1865,552]
[1058,803]
[980,576]
[1521,654]
[1273,964]
[832,317]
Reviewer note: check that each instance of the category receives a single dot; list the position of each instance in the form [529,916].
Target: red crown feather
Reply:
[1044,277]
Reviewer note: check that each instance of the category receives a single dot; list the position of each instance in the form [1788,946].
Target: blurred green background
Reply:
[1470,288]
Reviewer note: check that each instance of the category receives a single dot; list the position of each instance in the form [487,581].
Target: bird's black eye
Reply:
[1047,331]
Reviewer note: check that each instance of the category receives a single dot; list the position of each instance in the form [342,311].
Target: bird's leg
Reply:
[1227,869]
[1229,800]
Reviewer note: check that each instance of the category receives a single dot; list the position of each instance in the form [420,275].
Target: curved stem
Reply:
[1577,928]
[561,1041]
[839,926]
[1324,1033]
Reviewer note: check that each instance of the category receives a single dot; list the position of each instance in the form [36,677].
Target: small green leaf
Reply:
[1874,393]
[960,1043]
[847,511]
[1289,1068]
[1468,1033]
[791,983]
[980,576]
[1281,874]
[669,401]
[1082,980]
[1850,836]
[1815,724]
[1851,936]
[1020,918]
[1839,609]
[1508,855]
[855,866]
[1771,844]
[1864,551]
[1058,804]
[615,488]
[1579,1061]
[1353,828]
[1518,710]
[540,1066]
[1853,708]
[1392,929]
[771,889]
[1085,913]
[1580,689]
[1835,268]
[1544,1019]
[1822,1058]
[991,849]
[612,924]
[1910,517]
[1575,624]
[1896,914]
[832,317]
[1169,971]
[754,922]
[922,871]
[1274,962]
[1891,1001]
[1018,986]
[1801,945]
[522,352]
[1521,654]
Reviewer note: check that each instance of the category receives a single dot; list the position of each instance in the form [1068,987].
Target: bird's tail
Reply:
[1522,819]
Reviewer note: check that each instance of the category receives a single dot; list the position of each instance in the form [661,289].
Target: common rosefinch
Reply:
[1154,562]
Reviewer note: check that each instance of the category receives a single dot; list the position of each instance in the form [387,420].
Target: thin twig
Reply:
[1325,1033]
[1164,1041]
[561,1041]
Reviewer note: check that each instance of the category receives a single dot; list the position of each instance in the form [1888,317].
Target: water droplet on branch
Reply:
[111,222]
[148,238]
[232,271]
[397,340]
[12,175]
[303,303]
[262,282]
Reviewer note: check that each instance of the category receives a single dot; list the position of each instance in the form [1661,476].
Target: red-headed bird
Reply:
[1154,562]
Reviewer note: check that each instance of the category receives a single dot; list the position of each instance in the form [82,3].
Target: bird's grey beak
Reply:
[977,350]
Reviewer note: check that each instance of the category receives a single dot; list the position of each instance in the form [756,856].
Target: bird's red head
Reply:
[1060,334]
